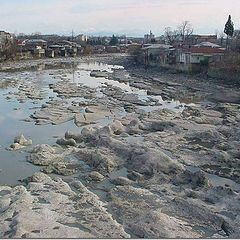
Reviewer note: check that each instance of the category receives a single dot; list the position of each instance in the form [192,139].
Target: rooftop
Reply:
[158,46]
[36,41]
[207,44]
[204,50]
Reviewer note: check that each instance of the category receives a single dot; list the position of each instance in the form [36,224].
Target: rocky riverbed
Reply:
[101,148]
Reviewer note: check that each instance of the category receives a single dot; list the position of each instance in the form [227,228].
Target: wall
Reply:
[197,58]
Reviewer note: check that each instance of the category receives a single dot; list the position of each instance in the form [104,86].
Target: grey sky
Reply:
[133,17]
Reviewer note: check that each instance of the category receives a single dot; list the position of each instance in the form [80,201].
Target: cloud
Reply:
[125,16]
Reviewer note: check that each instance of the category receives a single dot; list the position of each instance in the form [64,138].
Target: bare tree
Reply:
[235,43]
[181,34]
[171,36]
[185,30]
[221,37]
[9,48]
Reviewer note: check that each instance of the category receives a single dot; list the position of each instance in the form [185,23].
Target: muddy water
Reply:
[13,165]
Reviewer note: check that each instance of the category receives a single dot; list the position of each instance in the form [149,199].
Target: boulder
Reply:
[43,148]
[149,161]
[15,147]
[135,176]
[101,160]
[44,155]
[87,110]
[87,132]
[117,127]
[22,140]
[19,143]
[121,181]
[134,127]
[75,136]
[162,126]
[195,179]
[67,142]
[95,176]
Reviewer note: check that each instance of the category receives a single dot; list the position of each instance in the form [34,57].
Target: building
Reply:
[36,43]
[149,38]
[50,53]
[42,48]
[207,44]
[66,48]
[138,40]
[39,52]
[93,40]
[158,55]
[81,38]
[195,58]
[196,39]
[161,39]
[123,39]
[188,59]
[37,47]
[72,48]
[22,51]
[57,49]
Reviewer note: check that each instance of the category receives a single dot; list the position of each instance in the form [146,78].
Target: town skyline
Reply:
[105,17]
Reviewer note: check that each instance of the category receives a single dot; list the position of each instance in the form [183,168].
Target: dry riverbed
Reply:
[106,151]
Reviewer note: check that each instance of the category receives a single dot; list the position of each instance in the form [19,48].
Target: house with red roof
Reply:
[181,58]
[194,58]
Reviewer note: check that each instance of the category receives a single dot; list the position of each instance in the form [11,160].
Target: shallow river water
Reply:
[13,165]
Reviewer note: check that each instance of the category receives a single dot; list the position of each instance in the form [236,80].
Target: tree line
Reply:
[182,34]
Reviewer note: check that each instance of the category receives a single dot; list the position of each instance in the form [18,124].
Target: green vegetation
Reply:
[113,41]
[229,27]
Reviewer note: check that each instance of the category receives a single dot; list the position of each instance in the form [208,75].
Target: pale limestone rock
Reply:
[121,181]
[48,208]
[95,176]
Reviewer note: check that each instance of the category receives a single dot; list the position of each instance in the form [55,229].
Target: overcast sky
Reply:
[133,17]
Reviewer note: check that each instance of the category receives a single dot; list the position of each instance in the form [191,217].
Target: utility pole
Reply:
[72,35]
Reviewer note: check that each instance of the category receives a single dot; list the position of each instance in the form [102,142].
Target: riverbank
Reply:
[123,153]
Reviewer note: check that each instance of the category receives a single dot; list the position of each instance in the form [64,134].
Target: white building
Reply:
[81,38]
[197,55]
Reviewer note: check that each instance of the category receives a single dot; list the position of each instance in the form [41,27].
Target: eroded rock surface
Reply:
[131,168]
[49,208]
